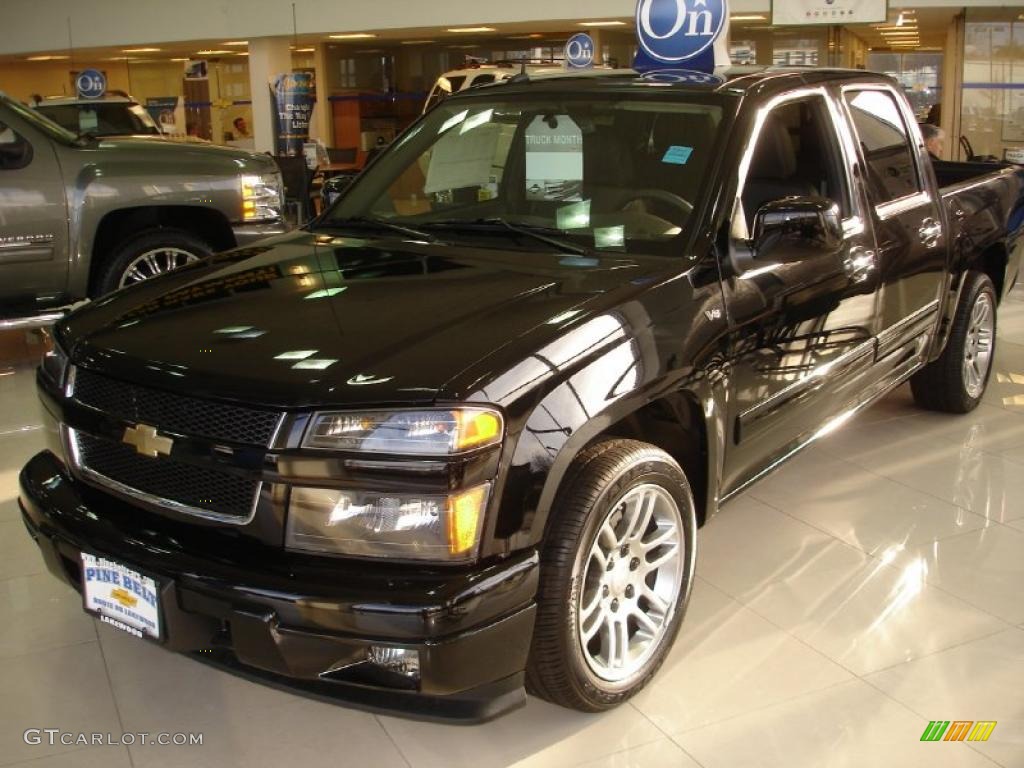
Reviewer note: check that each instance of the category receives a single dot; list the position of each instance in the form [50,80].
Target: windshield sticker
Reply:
[573,216]
[610,237]
[677,155]
[554,159]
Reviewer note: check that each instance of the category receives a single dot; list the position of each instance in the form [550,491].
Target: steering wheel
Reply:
[661,196]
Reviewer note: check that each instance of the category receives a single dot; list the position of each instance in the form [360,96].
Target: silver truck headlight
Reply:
[426,432]
[262,197]
[380,524]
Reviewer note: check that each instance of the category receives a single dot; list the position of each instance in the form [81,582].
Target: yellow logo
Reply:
[124,597]
[147,441]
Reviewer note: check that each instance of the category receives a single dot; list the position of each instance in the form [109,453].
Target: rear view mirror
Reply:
[796,228]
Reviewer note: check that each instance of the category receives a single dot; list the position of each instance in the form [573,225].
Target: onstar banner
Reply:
[829,11]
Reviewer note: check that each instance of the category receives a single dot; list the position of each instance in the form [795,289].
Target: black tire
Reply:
[127,252]
[941,385]
[557,669]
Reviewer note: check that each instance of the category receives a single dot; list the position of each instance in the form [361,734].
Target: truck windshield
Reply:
[40,122]
[101,119]
[611,172]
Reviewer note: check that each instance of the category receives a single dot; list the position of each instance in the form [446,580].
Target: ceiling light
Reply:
[418,42]
[305,50]
[179,59]
[241,53]
[213,53]
[236,42]
[140,50]
[463,30]
[602,23]
[748,17]
[47,58]
[353,36]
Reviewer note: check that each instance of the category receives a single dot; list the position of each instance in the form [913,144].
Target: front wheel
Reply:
[148,255]
[956,381]
[616,573]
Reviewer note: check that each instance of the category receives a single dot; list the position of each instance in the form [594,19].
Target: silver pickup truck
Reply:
[81,216]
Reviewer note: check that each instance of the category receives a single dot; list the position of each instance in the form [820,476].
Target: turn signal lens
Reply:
[477,428]
[464,514]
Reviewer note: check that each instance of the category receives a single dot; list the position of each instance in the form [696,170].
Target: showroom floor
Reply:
[874,584]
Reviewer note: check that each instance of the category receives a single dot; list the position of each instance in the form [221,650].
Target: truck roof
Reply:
[733,78]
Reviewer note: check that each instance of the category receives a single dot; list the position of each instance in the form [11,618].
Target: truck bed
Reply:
[953,174]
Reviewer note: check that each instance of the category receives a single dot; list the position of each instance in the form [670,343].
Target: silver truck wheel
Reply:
[616,569]
[153,263]
[148,255]
[956,381]
[631,581]
[980,344]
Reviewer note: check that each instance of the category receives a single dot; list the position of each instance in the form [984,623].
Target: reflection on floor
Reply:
[873,584]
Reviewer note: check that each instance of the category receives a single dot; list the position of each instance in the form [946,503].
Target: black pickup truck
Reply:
[455,439]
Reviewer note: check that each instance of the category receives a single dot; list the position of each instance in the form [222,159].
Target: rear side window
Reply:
[15,151]
[885,141]
[482,80]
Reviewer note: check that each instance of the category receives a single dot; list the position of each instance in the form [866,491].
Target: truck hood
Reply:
[313,320]
[155,151]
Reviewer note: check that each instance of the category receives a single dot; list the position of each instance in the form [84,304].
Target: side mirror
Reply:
[796,228]
[335,187]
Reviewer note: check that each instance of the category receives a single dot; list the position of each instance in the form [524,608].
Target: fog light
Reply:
[401,661]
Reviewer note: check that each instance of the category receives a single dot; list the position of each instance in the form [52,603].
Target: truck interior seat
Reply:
[773,169]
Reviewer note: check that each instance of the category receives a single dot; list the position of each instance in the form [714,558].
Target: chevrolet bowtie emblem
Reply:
[124,597]
[147,441]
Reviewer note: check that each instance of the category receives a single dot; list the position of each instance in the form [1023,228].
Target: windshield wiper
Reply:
[525,230]
[370,221]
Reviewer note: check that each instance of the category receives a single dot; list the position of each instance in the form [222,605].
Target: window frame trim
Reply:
[853,222]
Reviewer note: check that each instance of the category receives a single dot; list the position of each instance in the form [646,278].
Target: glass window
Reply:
[886,144]
[796,155]
[15,151]
[113,118]
[604,173]
[482,80]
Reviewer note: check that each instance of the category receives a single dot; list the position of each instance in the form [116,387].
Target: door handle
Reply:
[930,232]
[859,263]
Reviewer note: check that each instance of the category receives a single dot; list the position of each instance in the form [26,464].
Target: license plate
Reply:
[121,596]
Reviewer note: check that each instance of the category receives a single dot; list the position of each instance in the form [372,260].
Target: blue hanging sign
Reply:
[91,84]
[679,33]
[579,51]
[294,97]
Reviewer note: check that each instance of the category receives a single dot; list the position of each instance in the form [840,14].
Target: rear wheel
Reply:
[956,382]
[148,255]
[615,577]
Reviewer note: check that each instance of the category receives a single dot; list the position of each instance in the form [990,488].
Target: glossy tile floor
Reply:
[873,584]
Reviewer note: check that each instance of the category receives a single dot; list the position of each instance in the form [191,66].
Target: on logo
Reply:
[672,31]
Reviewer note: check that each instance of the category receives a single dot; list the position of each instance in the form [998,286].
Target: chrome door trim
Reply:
[894,330]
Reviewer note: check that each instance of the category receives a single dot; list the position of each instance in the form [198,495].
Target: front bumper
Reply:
[247,234]
[306,628]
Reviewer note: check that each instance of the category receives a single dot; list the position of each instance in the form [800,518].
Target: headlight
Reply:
[425,432]
[262,197]
[369,524]
[55,364]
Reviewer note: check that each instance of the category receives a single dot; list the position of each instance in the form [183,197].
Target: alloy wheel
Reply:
[153,263]
[979,345]
[632,577]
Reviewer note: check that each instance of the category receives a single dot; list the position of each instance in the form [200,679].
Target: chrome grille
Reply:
[203,491]
[179,414]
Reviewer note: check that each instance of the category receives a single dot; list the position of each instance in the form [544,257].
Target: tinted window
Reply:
[796,155]
[110,119]
[482,80]
[15,151]
[885,142]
